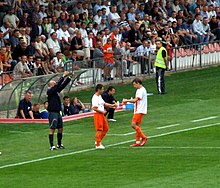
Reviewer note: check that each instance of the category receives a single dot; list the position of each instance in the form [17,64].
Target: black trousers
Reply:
[110,113]
[160,80]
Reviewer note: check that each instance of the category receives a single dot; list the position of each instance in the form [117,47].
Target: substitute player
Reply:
[100,121]
[140,109]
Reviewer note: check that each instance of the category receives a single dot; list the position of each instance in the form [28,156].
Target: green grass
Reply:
[187,158]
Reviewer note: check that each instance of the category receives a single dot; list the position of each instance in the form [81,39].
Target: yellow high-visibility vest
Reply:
[159,61]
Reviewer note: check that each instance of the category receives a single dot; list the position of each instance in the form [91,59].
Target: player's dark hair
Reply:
[98,87]
[137,80]
[65,97]
[110,88]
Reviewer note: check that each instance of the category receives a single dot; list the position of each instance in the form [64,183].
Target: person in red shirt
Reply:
[108,58]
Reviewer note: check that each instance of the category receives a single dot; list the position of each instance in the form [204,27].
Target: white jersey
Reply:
[141,105]
[98,102]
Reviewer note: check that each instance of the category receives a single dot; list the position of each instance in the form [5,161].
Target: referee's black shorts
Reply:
[55,120]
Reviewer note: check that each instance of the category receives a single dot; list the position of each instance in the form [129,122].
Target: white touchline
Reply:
[204,119]
[169,147]
[125,134]
[110,145]
[167,126]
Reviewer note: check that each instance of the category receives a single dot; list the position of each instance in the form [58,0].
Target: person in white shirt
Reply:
[83,30]
[57,62]
[53,44]
[141,55]
[100,121]
[198,29]
[97,18]
[140,109]
[64,37]
[113,15]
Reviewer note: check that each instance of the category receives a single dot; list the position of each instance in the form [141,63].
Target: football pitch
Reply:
[182,150]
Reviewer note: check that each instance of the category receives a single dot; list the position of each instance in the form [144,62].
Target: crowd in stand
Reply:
[38,37]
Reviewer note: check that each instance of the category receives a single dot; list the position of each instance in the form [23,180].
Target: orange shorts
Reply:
[137,118]
[100,122]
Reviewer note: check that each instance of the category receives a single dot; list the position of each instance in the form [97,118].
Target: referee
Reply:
[54,109]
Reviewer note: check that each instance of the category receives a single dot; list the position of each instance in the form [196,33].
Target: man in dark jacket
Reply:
[54,109]
[108,97]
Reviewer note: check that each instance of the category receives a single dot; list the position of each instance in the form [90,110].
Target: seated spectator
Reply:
[57,62]
[53,44]
[41,50]
[25,107]
[20,50]
[66,106]
[21,69]
[31,64]
[44,112]
[76,106]
[39,67]
[36,111]
[11,18]
[4,59]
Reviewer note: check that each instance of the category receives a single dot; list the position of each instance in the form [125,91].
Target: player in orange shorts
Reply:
[100,121]
[140,109]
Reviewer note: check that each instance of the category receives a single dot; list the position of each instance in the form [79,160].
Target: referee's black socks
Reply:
[59,138]
[51,139]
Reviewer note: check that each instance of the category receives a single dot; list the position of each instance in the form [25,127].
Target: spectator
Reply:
[108,97]
[21,69]
[6,29]
[77,44]
[25,107]
[62,19]
[76,106]
[134,36]
[14,40]
[44,112]
[36,111]
[127,67]
[31,64]
[108,58]
[57,62]
[198,29]
[20,50]
[113,15]
[53,44]
[98,54]
[38,29]
[11,18]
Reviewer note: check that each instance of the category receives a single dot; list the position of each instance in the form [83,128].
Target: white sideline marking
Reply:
[110,145]
[204,119]
[169,147]
[167,126]
[125,134]
[20,132]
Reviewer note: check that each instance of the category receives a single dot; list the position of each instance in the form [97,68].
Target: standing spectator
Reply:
[127,60]
[100,121]
[161,64]
[140,109]
[76,106]
[54,108]
[108,58]
[98,54]
[25,107]
[21,69]
[108,97]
